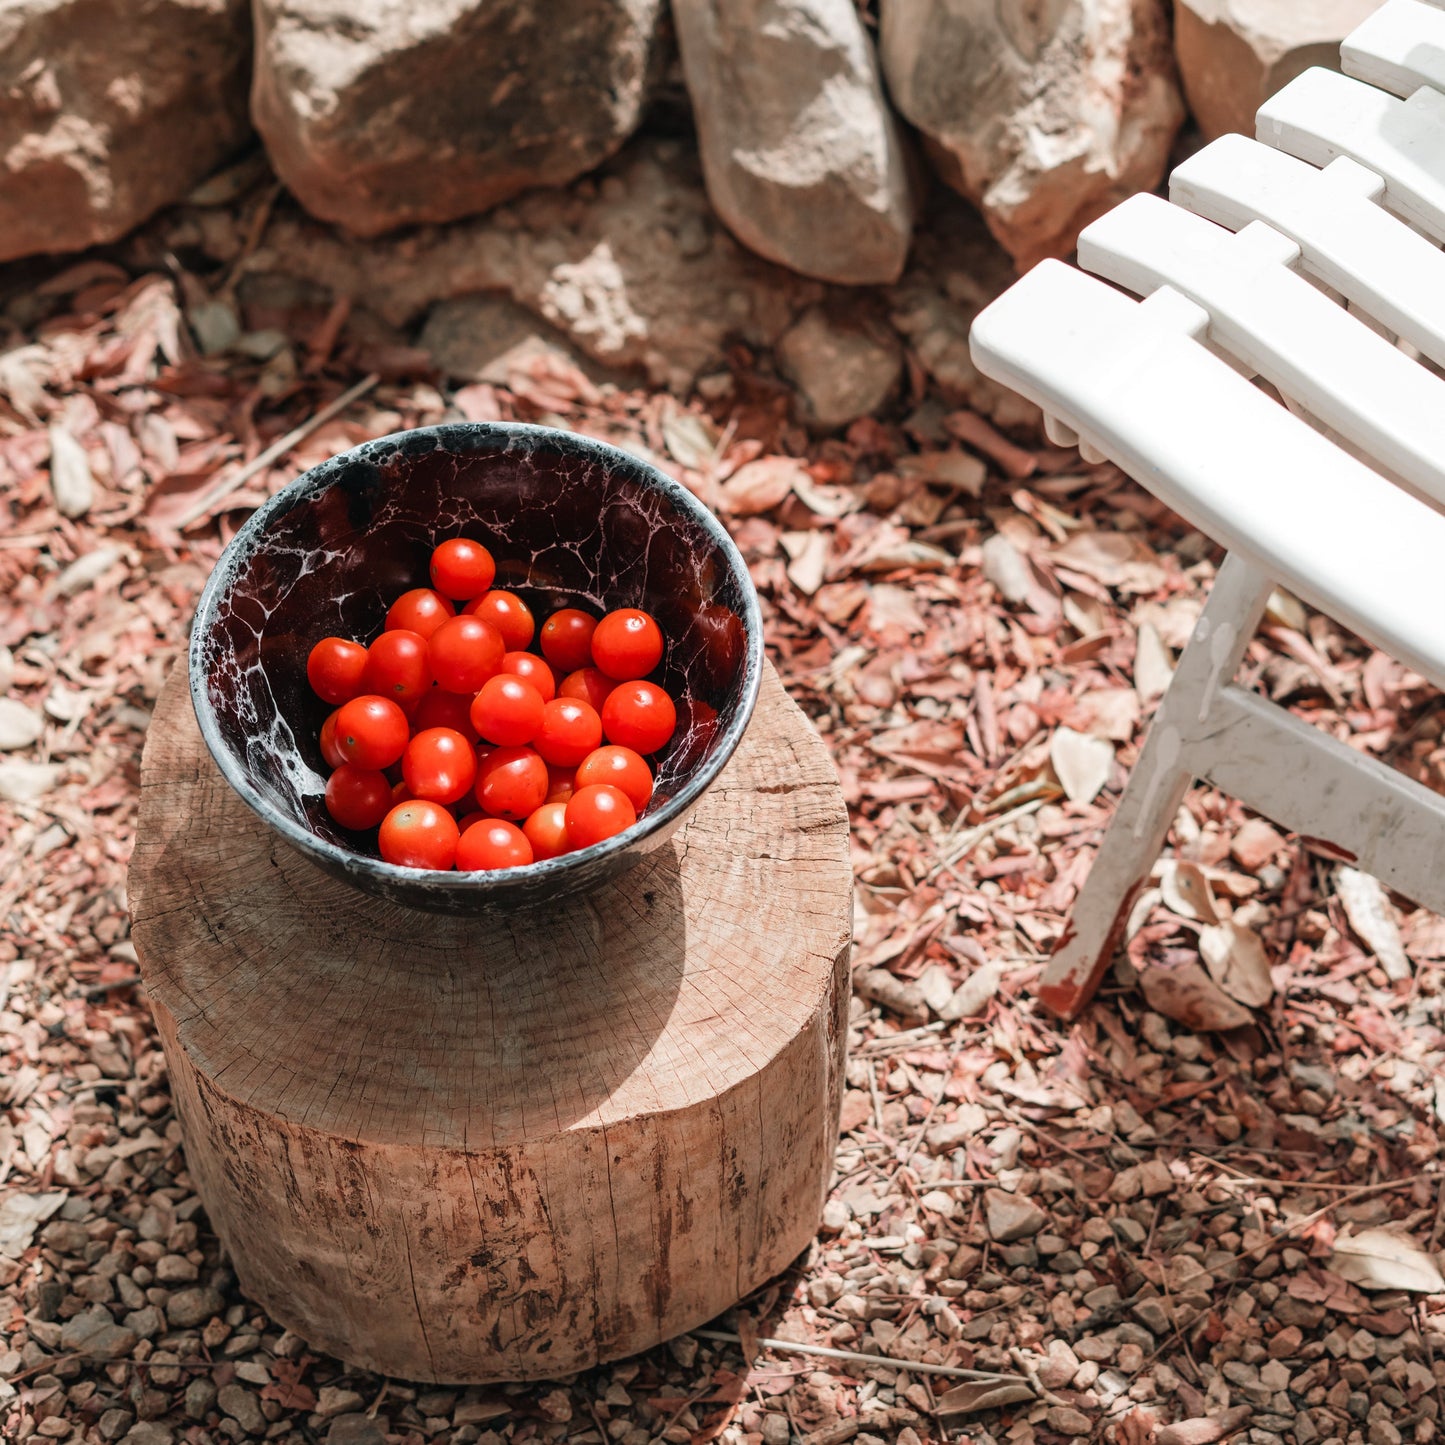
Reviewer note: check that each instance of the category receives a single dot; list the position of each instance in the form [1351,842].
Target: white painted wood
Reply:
[1348,242]
[1399,48]
[1321,115]
[1343,373]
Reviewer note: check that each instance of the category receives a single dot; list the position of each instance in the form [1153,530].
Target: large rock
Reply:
[1044,113]
[403,111]
[109,112]
[1234,54]
[802,157]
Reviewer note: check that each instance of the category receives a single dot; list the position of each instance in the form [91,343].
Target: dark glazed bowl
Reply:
[571,522]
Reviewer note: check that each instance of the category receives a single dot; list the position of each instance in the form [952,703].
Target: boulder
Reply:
[109,112]
[1234,54]
[803,159]
[404,111]
[1041,112]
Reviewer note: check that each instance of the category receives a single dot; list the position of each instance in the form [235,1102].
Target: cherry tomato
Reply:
[512,783]
[333,755]
[561,783]
[466,820]
[638,715]
[508,614]
[439,765]
[440,709]
[596,813]
[371,731]
[358,797]
[567,639]
[546,831]
[419,834]
[396,667]
[621,767]
[400,793]
[507,710]
[462,568]
[627,644]
[570,730]
[493,844]
[421,611]
[588,685]
[531,668]
[464,652]
[334,668]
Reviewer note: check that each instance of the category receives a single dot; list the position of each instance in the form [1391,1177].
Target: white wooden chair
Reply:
[1309,257]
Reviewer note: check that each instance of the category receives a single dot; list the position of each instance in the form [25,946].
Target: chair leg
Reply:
[1155,789]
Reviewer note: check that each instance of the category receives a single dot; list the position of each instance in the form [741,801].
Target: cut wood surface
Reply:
[504,1148]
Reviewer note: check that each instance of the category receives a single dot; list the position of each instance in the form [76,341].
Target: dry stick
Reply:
[276,450]
[953,1372]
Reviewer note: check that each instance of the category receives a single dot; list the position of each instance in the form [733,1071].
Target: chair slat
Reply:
[1399,48]
[1353,245]
[1322,114]
[1133,379]
[1282,327]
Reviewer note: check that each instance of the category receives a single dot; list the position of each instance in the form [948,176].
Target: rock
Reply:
[1011,1216]
[114,1423]
[1068,1421]
[803,159]
[1043,115]
[149,1432]
[175,1269]
[331,1401]
[112,112]
[1060,1365]
[188,1308]
[389,115]
[19,725]
[199,1397]
[355,1430]
[1234,54]
[243,1407]
[1186,994]
[836,1215]
[843,368]
[22,782]
[639,274]
[94,1332]
[1203,1429]
[147,1323]
[490,338]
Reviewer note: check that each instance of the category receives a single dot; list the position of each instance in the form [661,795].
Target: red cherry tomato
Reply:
[597,813]
[546,831]
[334,668]
[462,568]
[371,731]
[467,819]
[358,797]
[507,710]
[627,644]
[508,614]
[440,709]
[512,783]
[333,755]
[621,767]
[567,639]
[439,765]
[421,611]
[419,834]
[493,844]
[588,685]
[464,652]
[396,667]
[638,715]
[531,668]
[561,783]
[570,730]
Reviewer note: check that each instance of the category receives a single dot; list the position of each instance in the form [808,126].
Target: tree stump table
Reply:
[467,1150]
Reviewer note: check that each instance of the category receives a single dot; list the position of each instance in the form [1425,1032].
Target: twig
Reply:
[953,1372]
[968,841]
[1031,1371]
[276,450]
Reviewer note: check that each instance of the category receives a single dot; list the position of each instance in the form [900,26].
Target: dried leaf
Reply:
[70,478]
[1237,962]
[21,1215]
[1382,1259]
[809,564]
[830,502]
[20,726]
[1007,568]
[1186,892]
[1372,918]
[1153,664]
[1082,764]
[1185,993]
[977,1395]
[760,485]
[1115,559]
[690,438]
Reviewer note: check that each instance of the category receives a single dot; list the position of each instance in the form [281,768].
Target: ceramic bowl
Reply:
[571,522]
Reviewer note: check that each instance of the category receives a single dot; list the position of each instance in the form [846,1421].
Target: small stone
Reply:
[175,1269]
[1286,1344]
[149,1432]
[1382,1432]
[836,1215]
[331,1401]
[242,1406]
[1130,1359]
[556,1405]
[188,1308]
[355,1430]
[843,369]
[94,1332]
[1059,1366]
[199,1397]
[1203,1429]
[1361,1346]
[1011,1216]
[1068,1421]
[114,1423]
[1155,1178]
[147,1323]
[25,782]
[776,1430]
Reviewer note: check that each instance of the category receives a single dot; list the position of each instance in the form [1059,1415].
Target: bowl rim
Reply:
[477,883]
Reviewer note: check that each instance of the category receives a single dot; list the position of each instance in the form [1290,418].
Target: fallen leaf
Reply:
[1153,664]
[808,552]
[690,438]
[1082,764]
[1186,892]
[19,725]
[830,502]
[1237,962]
[1373,920]
[1185,993]
[1382,1259]
[980,1395]
[21,1215]
[70,477]
[1007,568]
[760,485]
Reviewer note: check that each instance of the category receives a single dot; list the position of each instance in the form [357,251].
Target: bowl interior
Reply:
[570,523]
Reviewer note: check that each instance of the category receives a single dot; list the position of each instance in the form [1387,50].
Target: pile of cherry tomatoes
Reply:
[467,750]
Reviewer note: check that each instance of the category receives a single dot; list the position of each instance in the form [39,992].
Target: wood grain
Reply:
[471,1150]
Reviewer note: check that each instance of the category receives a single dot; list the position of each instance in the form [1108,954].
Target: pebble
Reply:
[188,1308]
[355,1429]
[1011,1216]
[114,1423]
[175,1269]
[1068,1421]
[331,1401]
[200,1396]
[1203,1429]
[1059,1366]
[836,1216]
[149,1432]
[242,1406]
[94,1332]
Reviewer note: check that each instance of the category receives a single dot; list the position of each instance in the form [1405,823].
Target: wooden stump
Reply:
[469,1150]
